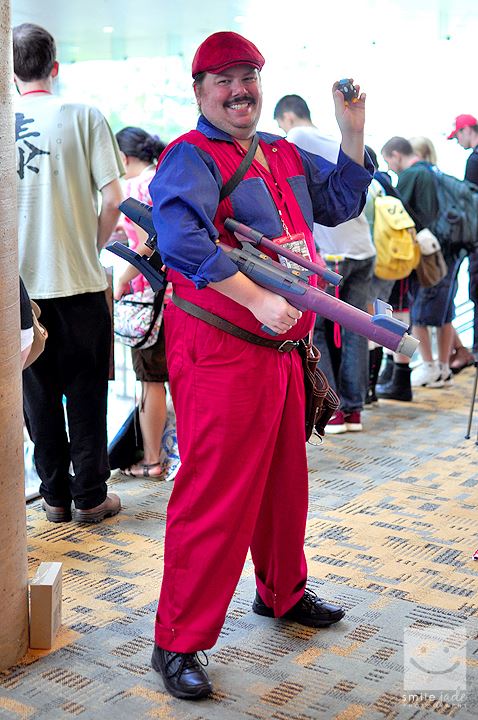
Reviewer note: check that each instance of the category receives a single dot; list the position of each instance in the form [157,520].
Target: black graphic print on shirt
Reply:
[27,152]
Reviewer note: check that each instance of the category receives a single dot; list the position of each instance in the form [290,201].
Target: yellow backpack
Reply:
[394,235]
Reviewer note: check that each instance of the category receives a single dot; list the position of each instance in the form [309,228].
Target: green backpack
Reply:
[456,224]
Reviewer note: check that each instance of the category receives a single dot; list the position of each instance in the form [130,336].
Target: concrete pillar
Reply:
[13,552]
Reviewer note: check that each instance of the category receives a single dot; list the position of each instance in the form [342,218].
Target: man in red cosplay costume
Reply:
[239,400]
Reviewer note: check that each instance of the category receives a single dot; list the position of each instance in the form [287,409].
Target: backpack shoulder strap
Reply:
[246,163]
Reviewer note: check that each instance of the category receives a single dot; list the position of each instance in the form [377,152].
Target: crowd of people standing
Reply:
[236,490]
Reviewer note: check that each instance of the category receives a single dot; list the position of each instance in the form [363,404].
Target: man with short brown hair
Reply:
[430,306]
[348,249]
[66,156]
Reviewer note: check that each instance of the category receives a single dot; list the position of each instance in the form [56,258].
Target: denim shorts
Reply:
[434,306]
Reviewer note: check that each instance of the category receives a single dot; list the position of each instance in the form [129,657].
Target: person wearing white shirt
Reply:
[348,249]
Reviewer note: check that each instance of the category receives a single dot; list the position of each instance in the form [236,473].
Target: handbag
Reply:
[137,318]
[432,267]
[40,335]
[321,401]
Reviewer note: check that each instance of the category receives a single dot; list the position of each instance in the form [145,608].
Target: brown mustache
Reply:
[242,98]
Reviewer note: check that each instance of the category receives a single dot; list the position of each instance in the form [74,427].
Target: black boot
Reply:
[374,362]
[399,387]
[183,675]
[386,374]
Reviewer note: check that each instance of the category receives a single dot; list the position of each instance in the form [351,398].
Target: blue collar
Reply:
[214,133]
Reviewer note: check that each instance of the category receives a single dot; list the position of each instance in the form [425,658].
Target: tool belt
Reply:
[228,327]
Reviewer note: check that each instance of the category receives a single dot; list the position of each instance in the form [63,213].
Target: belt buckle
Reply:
[287,346]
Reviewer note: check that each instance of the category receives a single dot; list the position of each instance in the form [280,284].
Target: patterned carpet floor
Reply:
[391,533]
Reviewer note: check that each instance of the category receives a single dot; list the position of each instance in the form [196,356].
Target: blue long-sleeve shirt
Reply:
[299,188]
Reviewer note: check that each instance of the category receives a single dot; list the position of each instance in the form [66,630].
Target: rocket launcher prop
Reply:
[382,328]
[149,265]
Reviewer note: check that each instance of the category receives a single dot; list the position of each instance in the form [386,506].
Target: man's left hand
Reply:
[350,114]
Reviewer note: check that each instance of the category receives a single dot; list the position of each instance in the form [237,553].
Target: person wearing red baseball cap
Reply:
[462,122]
[237,392]
[466,134]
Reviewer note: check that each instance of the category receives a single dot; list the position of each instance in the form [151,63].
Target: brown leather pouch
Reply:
[321,401]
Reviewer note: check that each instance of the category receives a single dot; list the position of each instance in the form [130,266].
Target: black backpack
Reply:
[456,224]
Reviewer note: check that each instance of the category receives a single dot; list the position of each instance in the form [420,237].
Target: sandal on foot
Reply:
[461,359]
[145,470]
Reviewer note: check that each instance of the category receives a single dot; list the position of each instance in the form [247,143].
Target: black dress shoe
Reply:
[310,610]
[183,675]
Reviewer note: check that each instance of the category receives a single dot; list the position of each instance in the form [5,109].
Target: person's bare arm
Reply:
[122,283]
[111,197]
[270,309]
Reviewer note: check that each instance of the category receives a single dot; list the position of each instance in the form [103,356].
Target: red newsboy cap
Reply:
[462,121]
[222,50]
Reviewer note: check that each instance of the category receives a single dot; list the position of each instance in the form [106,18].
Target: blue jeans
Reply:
[346,367]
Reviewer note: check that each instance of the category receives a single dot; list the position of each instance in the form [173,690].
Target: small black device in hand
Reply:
[347,89]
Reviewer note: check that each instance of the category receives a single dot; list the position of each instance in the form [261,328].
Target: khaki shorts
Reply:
[150,364]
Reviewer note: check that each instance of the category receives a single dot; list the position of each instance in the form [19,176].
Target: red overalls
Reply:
[240,423]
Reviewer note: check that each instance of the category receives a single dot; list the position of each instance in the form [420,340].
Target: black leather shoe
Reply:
[183,675]
[310,610]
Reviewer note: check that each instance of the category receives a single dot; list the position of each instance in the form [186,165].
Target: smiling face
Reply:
[435,661]
[232,101]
